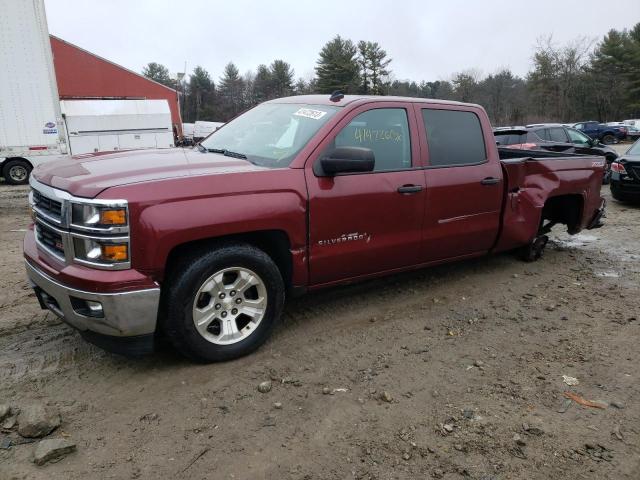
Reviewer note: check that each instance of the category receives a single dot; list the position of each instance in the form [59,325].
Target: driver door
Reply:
[364,223]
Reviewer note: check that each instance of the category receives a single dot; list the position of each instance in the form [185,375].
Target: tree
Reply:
[262,84]
[337,67]
[373,63]
[231,90]
[504,96]
[615,66]
[159,73]
[200,101]
[281,78]
[465,86]
[555,79]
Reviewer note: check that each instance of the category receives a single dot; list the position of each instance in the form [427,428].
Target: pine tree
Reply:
[231,89]
[281,78]
[262,84]
[337,67]
[374,71]
[159,73]
[200,101]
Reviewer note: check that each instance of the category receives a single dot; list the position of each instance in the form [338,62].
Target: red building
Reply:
[82,75]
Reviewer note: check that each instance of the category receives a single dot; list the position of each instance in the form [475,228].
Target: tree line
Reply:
[580,80]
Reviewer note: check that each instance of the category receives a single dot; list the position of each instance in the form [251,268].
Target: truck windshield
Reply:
[270,134]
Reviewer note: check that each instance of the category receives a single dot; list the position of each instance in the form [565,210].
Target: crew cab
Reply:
[202,245]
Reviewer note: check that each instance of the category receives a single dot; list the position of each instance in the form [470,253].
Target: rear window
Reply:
[510,138]
[453,137]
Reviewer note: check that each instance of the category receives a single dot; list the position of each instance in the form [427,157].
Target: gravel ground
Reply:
[453,372]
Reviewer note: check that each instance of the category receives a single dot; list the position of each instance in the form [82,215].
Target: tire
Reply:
[192,290]
[16,172]
[608,139]
[535,250]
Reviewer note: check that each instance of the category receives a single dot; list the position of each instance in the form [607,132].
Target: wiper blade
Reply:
[227,153]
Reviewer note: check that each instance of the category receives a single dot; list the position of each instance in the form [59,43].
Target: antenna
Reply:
[336,96]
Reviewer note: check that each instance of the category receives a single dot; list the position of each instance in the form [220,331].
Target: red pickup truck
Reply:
[203,245]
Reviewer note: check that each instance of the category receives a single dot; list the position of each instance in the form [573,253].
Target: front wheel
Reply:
[16,172]
[222,304]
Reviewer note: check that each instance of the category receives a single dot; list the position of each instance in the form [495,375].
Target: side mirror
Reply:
[347,160]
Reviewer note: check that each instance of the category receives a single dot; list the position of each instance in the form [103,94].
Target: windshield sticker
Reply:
[310,113]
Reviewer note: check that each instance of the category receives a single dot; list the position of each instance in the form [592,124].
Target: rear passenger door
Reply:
[464,186]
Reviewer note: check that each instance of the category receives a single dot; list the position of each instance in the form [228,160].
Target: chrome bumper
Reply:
[123,314]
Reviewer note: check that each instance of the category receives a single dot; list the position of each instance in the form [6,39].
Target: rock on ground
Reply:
[4,411]
[38,420]
[52,450]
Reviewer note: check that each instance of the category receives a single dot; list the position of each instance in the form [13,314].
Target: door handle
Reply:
[409,189]
[490,181]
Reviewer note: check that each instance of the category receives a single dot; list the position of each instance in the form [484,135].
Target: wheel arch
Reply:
[275,243]
[566,209]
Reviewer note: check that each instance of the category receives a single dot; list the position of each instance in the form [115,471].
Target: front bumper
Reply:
[125,324]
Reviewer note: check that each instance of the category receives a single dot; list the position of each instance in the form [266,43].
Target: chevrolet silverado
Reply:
[202,245]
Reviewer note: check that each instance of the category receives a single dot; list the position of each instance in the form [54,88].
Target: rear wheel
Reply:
[222,304]
[608,139]
[16,172]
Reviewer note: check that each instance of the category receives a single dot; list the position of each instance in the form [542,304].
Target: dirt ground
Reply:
[453,372]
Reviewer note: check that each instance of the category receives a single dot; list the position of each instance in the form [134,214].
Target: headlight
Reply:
[98,216]
[101,251]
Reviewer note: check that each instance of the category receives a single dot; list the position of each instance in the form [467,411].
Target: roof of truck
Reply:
[348,99]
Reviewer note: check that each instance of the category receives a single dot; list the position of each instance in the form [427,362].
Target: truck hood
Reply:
[88,175]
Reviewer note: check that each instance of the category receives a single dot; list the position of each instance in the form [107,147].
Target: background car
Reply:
[601,131]
[555,138]
[625,175]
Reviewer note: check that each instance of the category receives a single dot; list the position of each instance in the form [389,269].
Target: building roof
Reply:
[102,59]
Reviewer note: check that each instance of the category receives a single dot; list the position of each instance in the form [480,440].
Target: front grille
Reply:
[47,205]
[51,239]
[636,171]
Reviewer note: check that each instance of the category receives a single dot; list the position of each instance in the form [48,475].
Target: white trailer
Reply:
[31,124]
[187,130]
[203,129]
[108,125]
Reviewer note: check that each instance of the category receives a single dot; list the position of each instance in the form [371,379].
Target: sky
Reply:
[427,40]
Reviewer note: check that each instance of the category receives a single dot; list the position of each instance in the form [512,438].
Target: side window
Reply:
[557,134]
[453,137]
[383,130]
[579,126]
[577,137]
[542,134]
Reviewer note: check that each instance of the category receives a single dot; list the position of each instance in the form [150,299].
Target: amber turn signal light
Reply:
[116,216]
[115,253]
